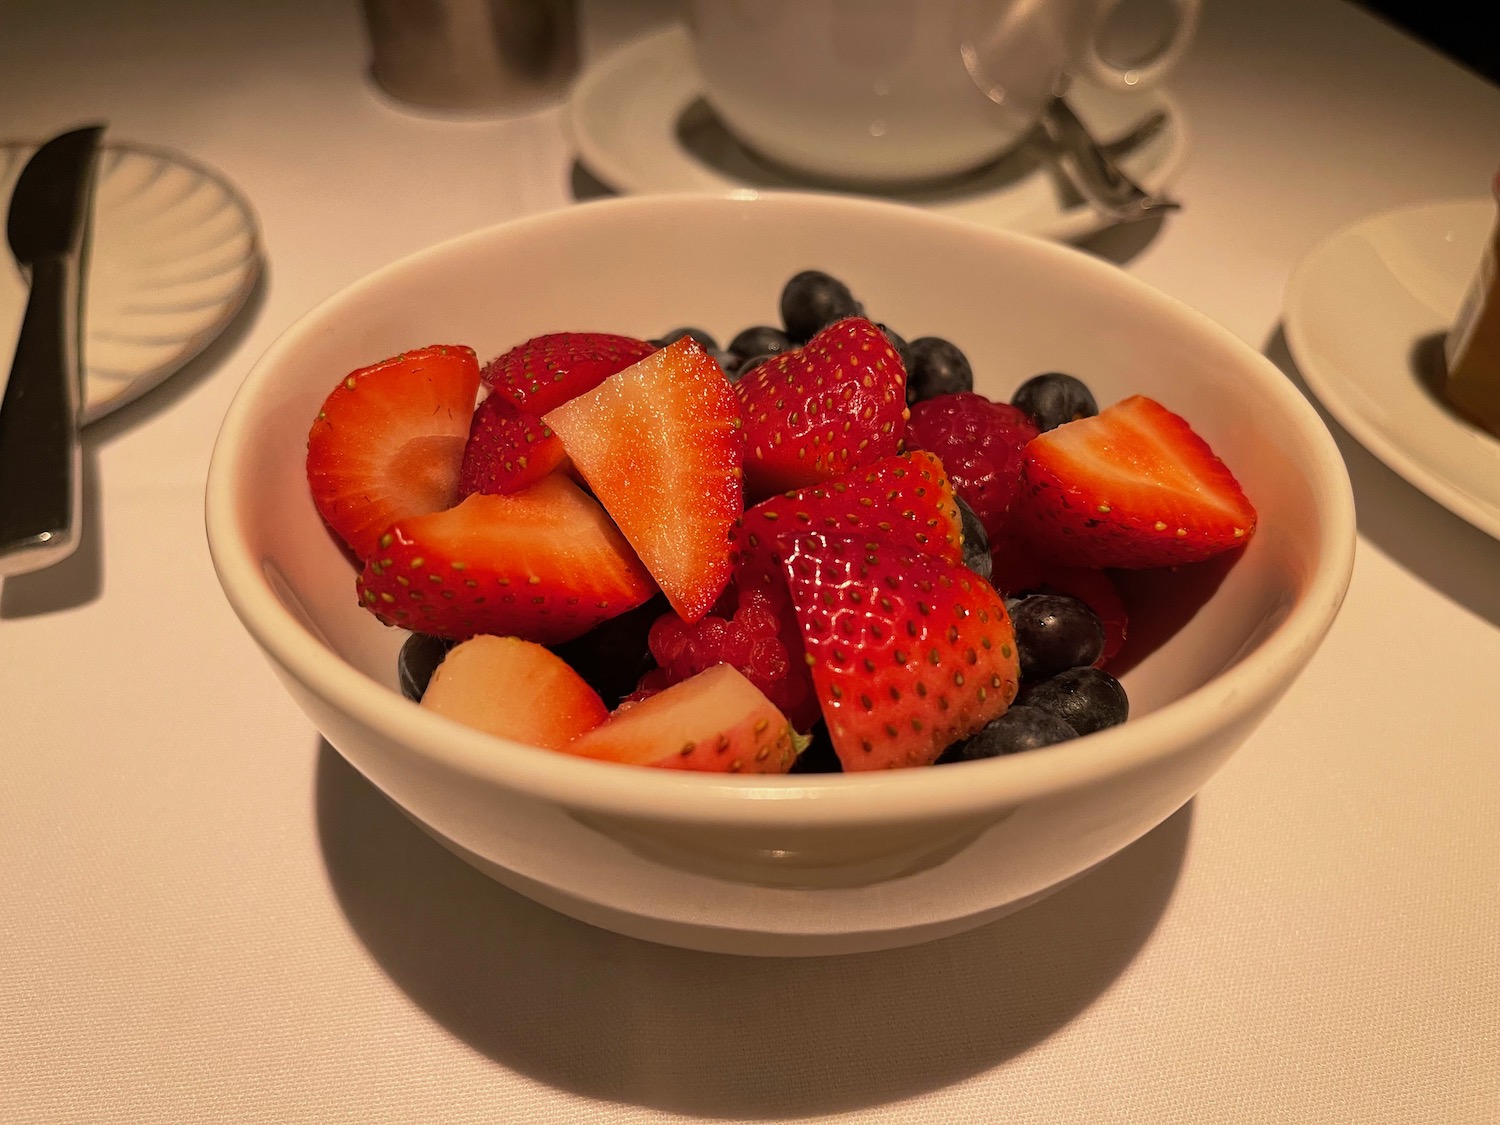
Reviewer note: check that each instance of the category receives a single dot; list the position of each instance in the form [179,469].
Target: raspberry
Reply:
[749,639]
[651,683]
[980,444]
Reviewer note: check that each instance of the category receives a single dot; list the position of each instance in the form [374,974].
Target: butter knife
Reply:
[40,456]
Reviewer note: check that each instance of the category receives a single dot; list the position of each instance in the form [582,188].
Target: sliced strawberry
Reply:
[1133,486]
[902,499]
[716,721]
[819,410]
[660,446]
[507,449]
[545,564]
[909,652]
[388,442]
[515,689]
[546,371]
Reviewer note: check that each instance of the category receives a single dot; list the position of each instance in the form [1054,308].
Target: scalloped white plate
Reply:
[175,253]
[639,124]
[1360,312]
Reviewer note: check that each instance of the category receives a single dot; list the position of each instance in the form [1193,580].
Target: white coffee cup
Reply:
[888,91]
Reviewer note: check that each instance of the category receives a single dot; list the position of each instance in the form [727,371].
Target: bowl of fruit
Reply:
[784,574]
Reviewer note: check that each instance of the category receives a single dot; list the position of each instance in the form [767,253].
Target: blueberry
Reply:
[812,300]
[613,655]
[819,757]
[898,341]
[1055,632]
[1020,728]
[976,541]
[704,338]
[1087,699]
[1054,398]
[418,660]
[744,367]
[937,367]
[762,340]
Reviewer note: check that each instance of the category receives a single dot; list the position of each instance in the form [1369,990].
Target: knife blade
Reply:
[40,455]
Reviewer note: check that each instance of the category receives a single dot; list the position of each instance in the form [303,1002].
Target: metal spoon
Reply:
[1087,166]
[1142,132]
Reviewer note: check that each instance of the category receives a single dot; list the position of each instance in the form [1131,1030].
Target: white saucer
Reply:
[174,255]
[1365,314]
[640,126]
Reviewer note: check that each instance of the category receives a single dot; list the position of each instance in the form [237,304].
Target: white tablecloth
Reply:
[205,915]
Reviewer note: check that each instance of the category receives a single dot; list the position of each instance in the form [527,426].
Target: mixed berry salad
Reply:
[813,549]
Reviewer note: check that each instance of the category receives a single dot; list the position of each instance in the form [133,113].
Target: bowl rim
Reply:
[1252,683]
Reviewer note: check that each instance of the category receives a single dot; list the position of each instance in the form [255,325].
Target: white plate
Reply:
[639,124]
[1365,315]
[174,255]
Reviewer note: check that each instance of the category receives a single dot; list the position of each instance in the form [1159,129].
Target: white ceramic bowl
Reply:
[801,864]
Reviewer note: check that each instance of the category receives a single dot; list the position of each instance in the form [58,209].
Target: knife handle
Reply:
[40,455]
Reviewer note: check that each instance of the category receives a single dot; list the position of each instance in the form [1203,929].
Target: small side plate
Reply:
[1365,315]
[175,254]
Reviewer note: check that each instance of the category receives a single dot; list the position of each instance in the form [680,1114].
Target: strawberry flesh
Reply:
[547,371]
[514,689]
[909,652]
[388,442]
[818,411]
[545,564]
[660,446]
[508,449]
[1132,487]
[717,721]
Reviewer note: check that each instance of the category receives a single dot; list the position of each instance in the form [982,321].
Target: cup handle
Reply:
[1097,69]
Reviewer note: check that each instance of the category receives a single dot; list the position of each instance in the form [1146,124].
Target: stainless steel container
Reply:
[473,56]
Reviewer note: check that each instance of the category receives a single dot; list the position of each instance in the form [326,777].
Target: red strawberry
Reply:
[819,410]
[545,564]
[514,689]
[1132,487]
[507,450]
[981,444]
[389,440]
[546,371]
[909,652]
[904,499]
[660,446]
[716,721]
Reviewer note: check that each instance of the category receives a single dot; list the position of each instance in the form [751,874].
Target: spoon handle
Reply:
[1091,171]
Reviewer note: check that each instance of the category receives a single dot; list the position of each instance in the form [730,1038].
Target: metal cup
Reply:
[473,55]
